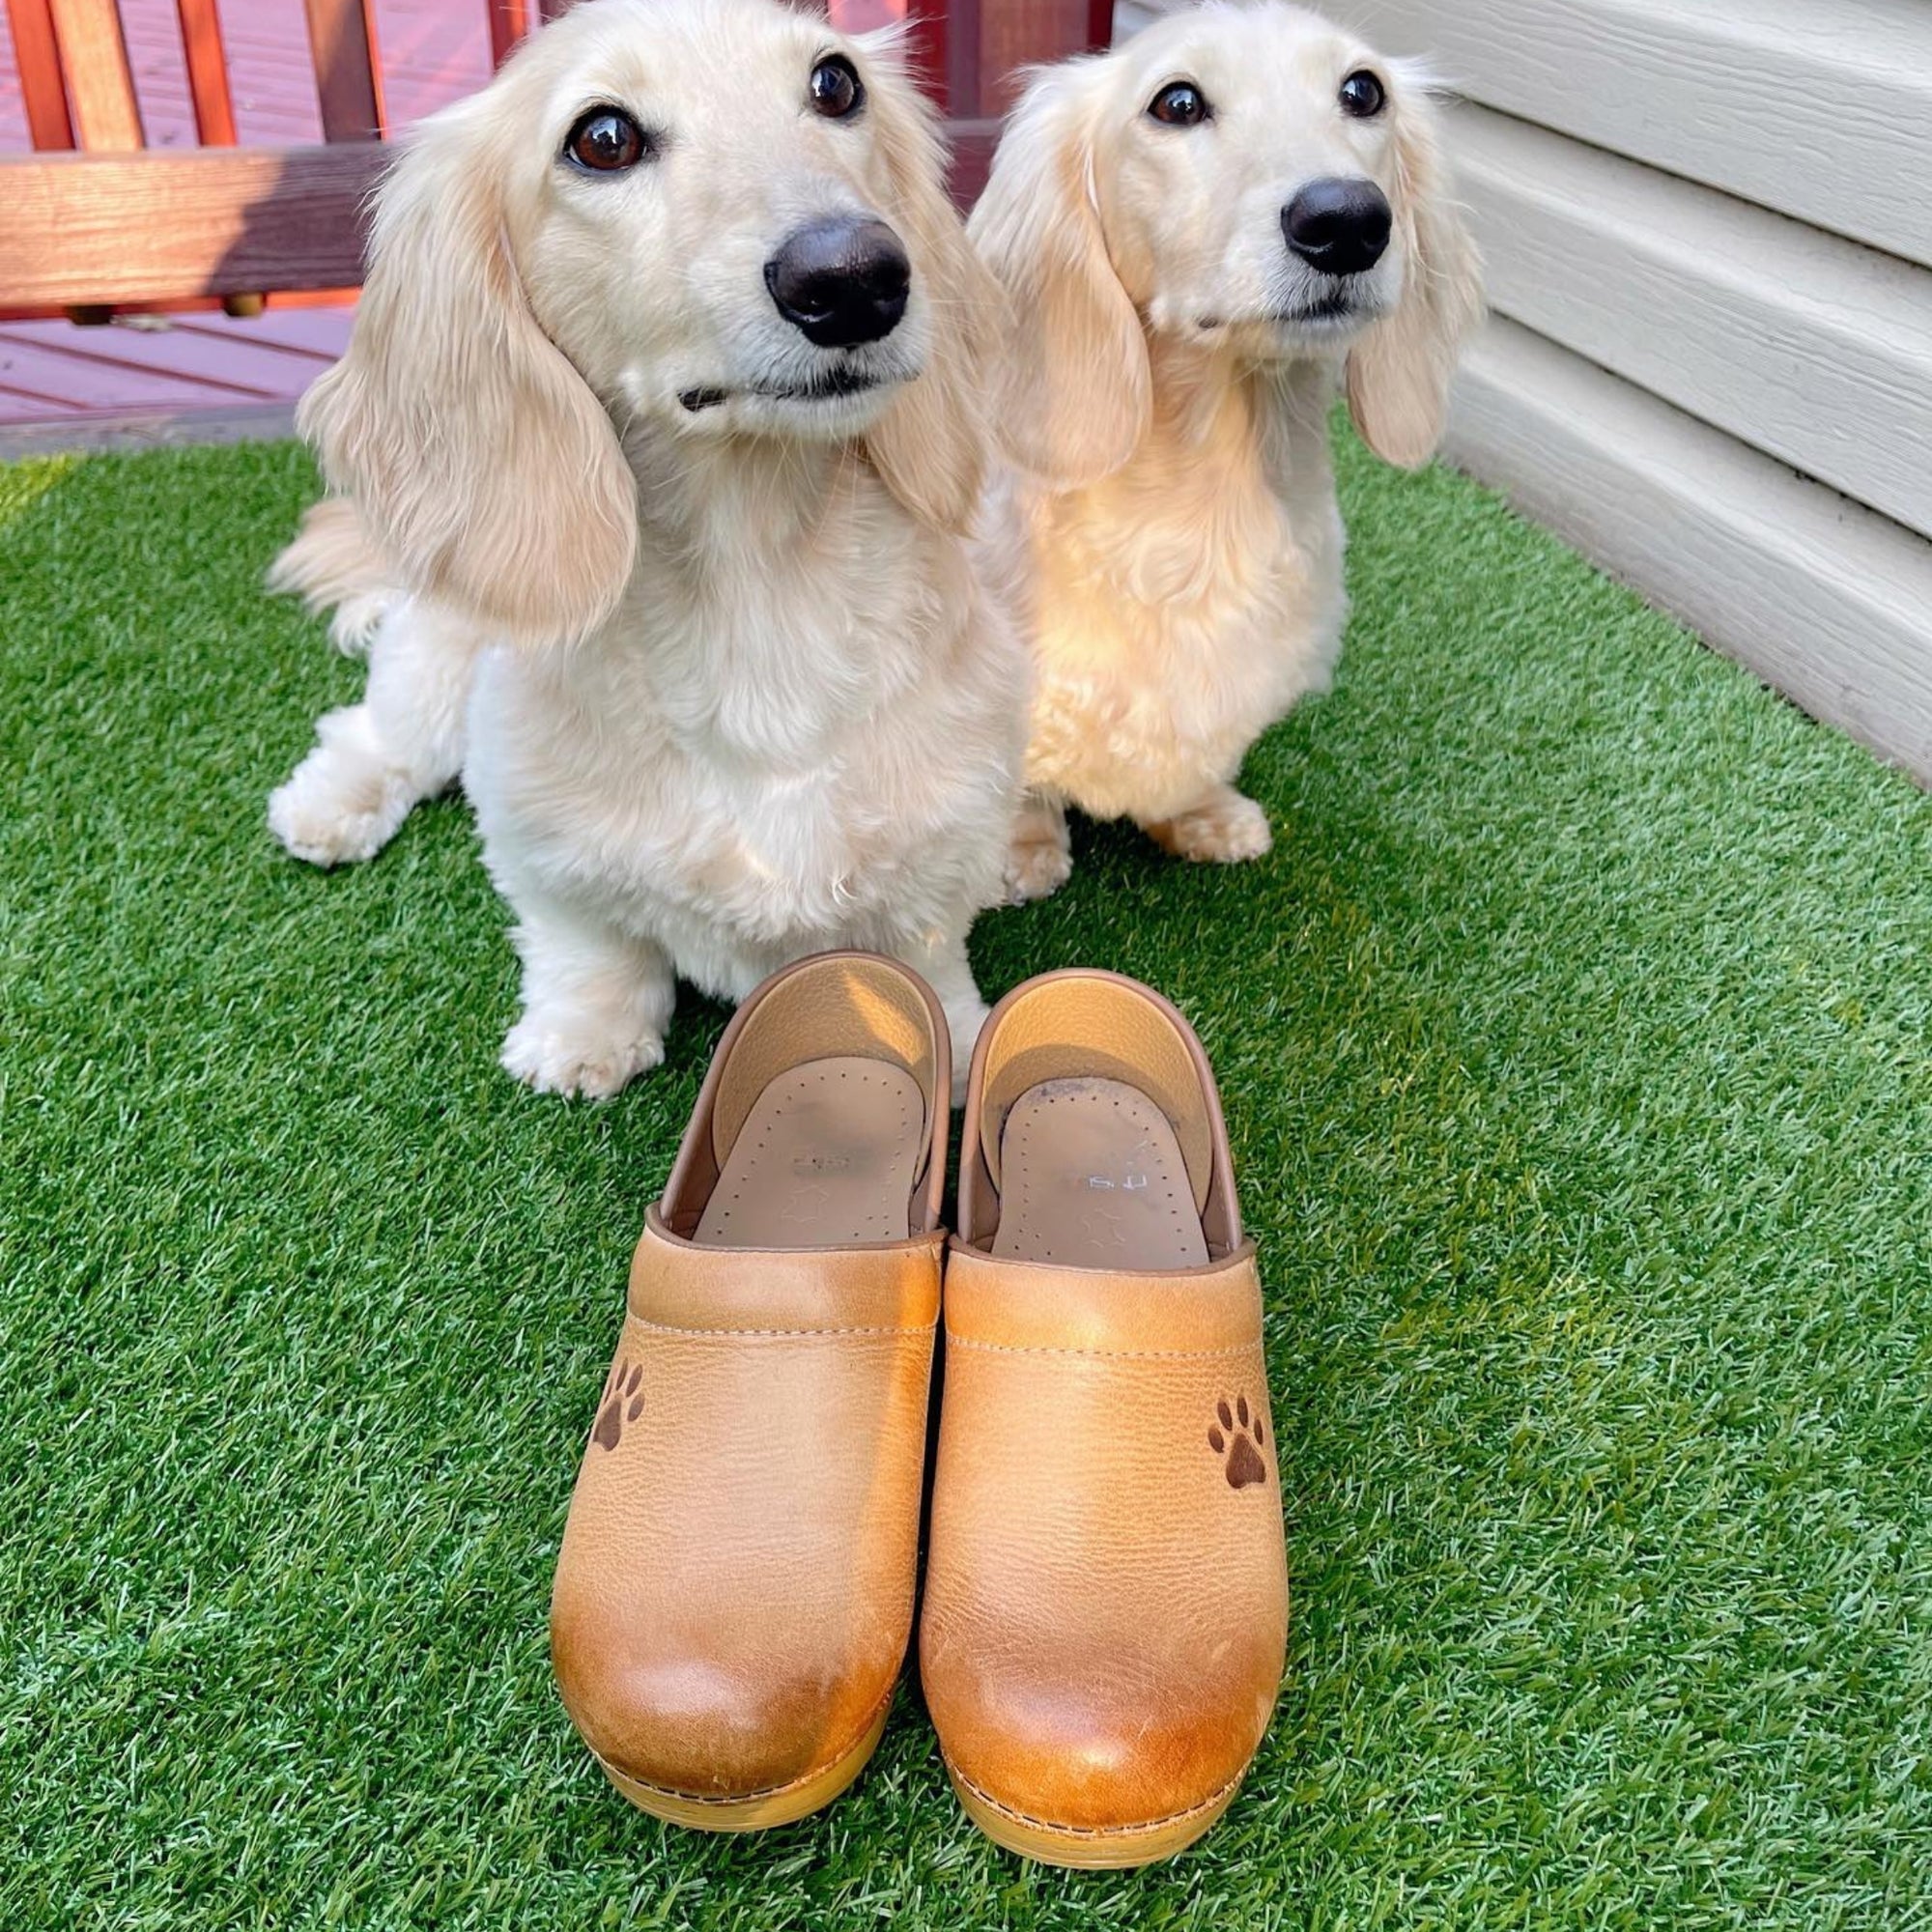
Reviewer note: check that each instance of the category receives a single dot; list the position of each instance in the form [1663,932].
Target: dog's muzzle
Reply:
[840,282]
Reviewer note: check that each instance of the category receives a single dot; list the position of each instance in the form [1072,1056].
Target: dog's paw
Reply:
[1037,865]
[556,1056]
[339,806]
[1226,832]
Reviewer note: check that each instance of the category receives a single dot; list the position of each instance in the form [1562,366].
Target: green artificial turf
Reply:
[1573,1041]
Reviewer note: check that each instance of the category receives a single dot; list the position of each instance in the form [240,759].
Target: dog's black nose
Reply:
[1338,226]
[840,282]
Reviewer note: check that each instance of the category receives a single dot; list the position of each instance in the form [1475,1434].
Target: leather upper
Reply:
[1106,1605]
[1106,1608]
[734,1595]
[735,1589]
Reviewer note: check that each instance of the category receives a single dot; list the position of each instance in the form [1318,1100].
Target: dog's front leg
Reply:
[596,1002]
[1040,859]
[949,974]
[1222,827]
[374,761]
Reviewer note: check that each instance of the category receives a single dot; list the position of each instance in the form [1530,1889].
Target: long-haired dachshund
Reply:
[653,452]
[1206,234]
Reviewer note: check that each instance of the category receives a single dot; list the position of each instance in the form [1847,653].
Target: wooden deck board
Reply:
[309,338]
[247,363]
[320,333]
[57,375]
[23,407]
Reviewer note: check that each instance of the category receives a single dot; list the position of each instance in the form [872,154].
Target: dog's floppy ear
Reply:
[1399,372]
[932,444]
[1078,391]
[485,467]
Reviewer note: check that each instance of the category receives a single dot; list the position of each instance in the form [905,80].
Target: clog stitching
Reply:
[772,1334]
[953,1341]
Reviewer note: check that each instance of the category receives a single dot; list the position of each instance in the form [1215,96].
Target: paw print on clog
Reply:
[621,1404]
[1240,1437]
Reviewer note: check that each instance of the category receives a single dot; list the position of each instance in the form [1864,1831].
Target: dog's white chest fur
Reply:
[739,775]
[1183,605]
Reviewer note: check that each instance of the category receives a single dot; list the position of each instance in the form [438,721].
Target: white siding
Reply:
[1131,15]
[1708,230]
[1806,346]
[1821,108]
[1828,601]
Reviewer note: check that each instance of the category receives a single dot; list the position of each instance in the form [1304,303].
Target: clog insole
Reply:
[826,1156]
[1092,1176]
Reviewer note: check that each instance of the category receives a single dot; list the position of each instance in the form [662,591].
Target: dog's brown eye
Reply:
[836,89]
[1363,96]
[1180,104]
[606,141]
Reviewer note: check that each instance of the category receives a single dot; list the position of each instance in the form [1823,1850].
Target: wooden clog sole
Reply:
[759,1810]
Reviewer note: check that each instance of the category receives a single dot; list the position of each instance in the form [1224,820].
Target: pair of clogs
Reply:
[1106,1597]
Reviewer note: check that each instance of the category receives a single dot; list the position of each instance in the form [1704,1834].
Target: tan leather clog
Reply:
[734,1595]
[1106,1596]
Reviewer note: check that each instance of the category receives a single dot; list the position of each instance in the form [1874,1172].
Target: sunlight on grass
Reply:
[23,484]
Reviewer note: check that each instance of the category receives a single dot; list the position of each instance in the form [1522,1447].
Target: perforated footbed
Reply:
[828,1155]
[1092,1176]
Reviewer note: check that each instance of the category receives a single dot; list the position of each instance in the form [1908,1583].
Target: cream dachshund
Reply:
[1206,234]
[654,450]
